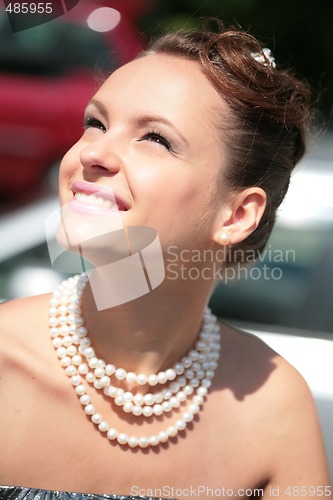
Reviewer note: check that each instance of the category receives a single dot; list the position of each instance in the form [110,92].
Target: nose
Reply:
[101,156]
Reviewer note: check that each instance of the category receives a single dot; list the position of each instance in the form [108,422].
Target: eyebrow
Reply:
[142,120]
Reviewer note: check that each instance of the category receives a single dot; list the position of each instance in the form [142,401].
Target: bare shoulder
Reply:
[267,390]
[23,323]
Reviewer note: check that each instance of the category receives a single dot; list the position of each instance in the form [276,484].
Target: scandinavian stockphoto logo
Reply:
[88,235]
[23,15]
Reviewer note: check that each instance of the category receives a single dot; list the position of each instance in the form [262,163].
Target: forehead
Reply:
[166,84]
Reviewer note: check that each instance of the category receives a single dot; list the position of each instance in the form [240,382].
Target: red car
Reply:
[48,75]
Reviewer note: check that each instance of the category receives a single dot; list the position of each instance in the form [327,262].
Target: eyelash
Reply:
[91,122]
[151,135]
[158,138]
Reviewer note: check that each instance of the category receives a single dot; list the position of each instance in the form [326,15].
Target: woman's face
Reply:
[150,145]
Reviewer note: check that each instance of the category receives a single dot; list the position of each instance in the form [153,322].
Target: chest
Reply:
[55,446]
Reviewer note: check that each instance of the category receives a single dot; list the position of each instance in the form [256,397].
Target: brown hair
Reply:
[269,115]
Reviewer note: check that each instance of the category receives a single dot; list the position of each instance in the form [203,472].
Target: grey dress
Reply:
[20,493]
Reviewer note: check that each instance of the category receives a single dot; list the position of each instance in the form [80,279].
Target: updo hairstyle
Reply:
[269,109]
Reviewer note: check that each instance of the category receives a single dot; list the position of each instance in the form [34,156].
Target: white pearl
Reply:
[105,381]
[112,433]
[179,368]
[77,360]
[57,342]
[206,383]
[97,384]
[193,355]
[202,391]
[89,352]
[120,373]
[138,399]
[89,409]
[96,418]
[110,369]
[53,321]
[132,442]
[194,408]
[189,374]
[71,350]
[186,362]
[181,396]
[128,407]
[157,409]
[175,402]
[171,374]
[84,399]
[162,377]
[195,371]
[172,431]
[76,380]
[111,391]
[167,406]
[90,377]
[180,424]
[70,369]
[195,382]
[99,372]
[67,340]
[137,410]
[198,400]
[187,416]
[122,438]
[143,442]
[66,361]
[163,436]
[147,411]
[93,362]
[141,379]
[148,399]
[103,426]
[152,380]
[158,396]
[80,389]
[130,377]
[119,400]
[61,352]
[82,331]
[174,387]
[188,390]
[153,440]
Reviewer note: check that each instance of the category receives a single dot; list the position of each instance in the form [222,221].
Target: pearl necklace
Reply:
[192,376]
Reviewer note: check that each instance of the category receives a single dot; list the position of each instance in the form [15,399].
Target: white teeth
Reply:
[92,199]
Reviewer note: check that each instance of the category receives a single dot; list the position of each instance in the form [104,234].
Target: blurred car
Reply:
[290,310]
[48,74]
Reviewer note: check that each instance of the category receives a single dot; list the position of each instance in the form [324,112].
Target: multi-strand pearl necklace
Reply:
[191,376]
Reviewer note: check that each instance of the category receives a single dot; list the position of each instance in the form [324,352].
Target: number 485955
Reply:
[29,8]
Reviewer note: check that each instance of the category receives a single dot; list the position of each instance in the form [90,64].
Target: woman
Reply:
[195,139]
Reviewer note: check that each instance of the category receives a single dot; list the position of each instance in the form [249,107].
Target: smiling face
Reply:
[150,152]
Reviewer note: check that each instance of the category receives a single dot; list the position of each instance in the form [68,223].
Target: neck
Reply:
[150,333]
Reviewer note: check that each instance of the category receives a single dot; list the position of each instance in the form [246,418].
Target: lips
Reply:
[98,196]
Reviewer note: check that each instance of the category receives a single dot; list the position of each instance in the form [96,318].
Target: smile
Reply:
[94,200]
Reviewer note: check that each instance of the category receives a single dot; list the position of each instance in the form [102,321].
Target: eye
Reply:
[158,139]
[91,122]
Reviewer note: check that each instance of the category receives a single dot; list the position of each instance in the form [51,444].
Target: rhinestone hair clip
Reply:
[265,57]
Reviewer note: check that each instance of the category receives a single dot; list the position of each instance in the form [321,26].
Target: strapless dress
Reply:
[20,493]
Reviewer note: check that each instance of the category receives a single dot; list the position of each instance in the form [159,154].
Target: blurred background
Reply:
[47,75]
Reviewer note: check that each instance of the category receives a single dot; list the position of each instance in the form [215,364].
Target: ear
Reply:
[241,217]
